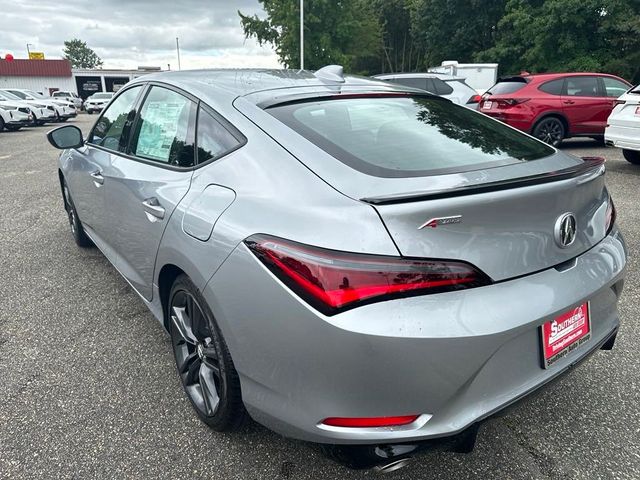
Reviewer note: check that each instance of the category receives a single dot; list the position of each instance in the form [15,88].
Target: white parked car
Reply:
[623,125]
[97,101]
[447,86]
[68,96]
[12,118]
[62,108]
[40,114]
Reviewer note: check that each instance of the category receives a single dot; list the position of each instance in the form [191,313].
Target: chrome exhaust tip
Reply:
[392,466]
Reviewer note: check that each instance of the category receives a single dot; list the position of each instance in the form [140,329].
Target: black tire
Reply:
[89,112]
[1,124]
[550,130]
[74,221]
[203,361]
[631,156]
[13,128]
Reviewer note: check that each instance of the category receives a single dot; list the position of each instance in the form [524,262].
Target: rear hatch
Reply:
[504,232]
[482,192]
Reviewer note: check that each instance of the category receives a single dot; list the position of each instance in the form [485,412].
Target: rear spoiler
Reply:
[592,166]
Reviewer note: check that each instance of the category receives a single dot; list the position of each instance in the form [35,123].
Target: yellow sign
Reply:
[36,55]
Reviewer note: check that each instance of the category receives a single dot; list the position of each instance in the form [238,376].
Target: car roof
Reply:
[552,76]
[441,76]
[261,86]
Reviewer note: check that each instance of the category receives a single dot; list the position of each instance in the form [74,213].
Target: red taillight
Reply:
[332,281]
[610,217]
[370,422]
[475,99]
[510,102]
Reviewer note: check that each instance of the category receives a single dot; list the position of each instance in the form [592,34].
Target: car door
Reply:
[143,187]
[584,105]
[612,89]
[85,166]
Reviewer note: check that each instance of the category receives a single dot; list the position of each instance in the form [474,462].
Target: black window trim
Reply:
[191,129]
[565,88]
[562,88]
[224,123]
[135,107]
[146,87]
[603,87]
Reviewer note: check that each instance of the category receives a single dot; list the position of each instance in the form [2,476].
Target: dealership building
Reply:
[48,76]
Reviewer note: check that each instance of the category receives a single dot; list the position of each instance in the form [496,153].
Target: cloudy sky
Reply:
[129,33]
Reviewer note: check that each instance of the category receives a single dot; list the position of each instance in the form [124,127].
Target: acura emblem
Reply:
[565,230]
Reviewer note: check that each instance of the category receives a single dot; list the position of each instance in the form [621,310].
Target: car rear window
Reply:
[408,136]
[507,86]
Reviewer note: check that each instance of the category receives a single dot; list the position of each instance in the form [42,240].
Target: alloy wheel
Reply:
[197,358]
[550,131]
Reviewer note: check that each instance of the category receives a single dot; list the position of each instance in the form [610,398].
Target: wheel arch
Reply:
[61,180]
[168,274]
[559,115]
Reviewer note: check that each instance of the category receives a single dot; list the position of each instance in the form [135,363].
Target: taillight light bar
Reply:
[333,281]
[610,216]
[510,102]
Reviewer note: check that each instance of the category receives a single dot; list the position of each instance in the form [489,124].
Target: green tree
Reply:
[454,29]
[568,35]
[80,55]
[399,50]
[347,33]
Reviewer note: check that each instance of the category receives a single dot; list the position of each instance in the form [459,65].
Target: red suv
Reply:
[554,106]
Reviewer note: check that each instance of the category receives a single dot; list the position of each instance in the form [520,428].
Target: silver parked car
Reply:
[447,86]
[347,261]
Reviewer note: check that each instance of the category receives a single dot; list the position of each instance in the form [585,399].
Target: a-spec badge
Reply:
[434,222]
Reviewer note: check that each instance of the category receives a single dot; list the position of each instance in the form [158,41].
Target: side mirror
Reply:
[68,136]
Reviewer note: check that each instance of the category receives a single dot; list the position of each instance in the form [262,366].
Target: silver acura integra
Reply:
[347,261]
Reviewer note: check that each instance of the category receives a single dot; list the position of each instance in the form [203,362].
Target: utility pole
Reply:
[178,50]
[29,51]
[301,34]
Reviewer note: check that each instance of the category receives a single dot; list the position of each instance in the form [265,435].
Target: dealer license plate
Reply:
[564,334]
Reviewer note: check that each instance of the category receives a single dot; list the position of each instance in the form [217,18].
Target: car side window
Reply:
[214,140]
[582,87]
[164,131]
[614,88]
[112,128]
[554,87]
[442,87]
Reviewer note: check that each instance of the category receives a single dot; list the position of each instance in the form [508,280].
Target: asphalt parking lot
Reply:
[88,388]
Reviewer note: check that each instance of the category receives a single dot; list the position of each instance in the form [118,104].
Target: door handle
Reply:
[153,209]
[98,179]
[568,102]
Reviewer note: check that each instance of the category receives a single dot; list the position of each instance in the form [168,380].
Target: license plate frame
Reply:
[571,330]
[487,105]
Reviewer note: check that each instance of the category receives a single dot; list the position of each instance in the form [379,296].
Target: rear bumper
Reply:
[623,137]
[455,358]
[520,122]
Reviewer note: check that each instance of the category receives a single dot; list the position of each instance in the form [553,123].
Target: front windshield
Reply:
[18,95]
[34,94]
[8,96]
